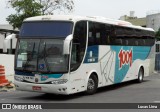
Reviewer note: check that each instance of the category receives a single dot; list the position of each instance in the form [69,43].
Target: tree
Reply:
[62,6]
[29,8]
[24,9]
[158,34]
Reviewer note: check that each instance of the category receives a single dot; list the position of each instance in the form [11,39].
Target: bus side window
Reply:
[144,42]
[126,42]
[118,41]
[136,43]
[91,37]
[108,40]
[150,41]
[79,44]
[97,34]
[107,37]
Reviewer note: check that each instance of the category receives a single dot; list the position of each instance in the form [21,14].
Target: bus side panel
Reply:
[120,63]
[152,60]
[112,64]
[107,64]
[128,61]
[79,78]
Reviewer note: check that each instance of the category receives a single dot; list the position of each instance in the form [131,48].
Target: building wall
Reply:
[138,21]
[7,61]
[1,40]
[153,21]
[134,20]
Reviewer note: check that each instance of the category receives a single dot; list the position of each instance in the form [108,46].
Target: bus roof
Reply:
[89,18]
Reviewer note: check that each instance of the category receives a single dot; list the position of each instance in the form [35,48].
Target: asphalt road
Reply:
[129,92]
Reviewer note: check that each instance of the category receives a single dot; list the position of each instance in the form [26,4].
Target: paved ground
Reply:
[130,92]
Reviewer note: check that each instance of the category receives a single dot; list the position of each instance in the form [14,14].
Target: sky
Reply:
[106,8]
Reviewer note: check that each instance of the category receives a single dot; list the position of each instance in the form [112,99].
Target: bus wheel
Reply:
[92,85]
[140,75]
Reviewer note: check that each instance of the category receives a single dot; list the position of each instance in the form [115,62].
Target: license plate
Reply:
[36,88]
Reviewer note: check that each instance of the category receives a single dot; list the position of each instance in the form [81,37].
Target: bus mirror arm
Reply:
[6,40]
[66,46]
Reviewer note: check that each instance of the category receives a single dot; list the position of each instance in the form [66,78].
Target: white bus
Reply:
[70,54]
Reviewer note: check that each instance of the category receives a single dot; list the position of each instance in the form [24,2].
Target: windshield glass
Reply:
[53,29]
[42,55]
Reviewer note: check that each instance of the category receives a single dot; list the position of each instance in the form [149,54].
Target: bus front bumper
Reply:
[43,88]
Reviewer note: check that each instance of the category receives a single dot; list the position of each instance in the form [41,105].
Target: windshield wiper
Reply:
[45,57]
[28,60]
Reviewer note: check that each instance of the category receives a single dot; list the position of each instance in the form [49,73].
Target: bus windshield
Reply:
[47,29]
[42,55]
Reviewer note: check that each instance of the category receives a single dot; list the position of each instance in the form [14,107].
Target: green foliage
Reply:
[24,9]
[158,34]
[62,6]
[30,8]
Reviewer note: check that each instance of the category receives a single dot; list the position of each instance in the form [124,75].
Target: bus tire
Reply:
[140,75]
[92,85]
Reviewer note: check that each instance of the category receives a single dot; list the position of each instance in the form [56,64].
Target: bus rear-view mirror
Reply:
[6,41]
[66,46]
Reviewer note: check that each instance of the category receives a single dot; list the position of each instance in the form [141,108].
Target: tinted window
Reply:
[105,34]
[42,55]
[97,34]
[131,37]
[46,29]
[79,44]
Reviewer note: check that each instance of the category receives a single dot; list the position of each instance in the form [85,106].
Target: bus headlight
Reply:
[18,78]
[61,81]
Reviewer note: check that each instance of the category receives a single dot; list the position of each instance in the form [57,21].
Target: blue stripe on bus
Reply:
[24,73]
[92,54]
[43,76]
[140,53]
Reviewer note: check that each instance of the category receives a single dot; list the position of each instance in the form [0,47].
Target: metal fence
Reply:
[157,56]
[157,62]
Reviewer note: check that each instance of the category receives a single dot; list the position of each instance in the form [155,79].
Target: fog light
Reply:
[16,86]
